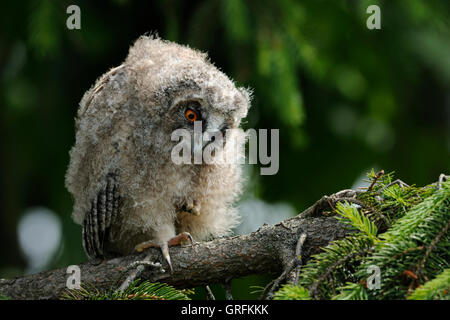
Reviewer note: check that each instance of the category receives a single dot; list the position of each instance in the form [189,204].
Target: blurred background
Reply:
[345,98]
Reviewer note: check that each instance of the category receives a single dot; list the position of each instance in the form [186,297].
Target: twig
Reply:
[431,247]
[365,206]
[298,257]
[324,203]
[315,286]
[227,287]
[266,289]
[398,182]
[377,176]
[139,267]
[296,263]
[442,178]
[209,294]
[273,285]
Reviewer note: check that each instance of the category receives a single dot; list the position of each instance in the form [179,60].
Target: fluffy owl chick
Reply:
[126,187]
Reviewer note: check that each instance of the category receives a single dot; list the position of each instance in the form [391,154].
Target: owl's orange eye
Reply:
[191,115]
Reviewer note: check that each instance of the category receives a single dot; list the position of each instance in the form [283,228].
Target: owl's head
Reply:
[177,86]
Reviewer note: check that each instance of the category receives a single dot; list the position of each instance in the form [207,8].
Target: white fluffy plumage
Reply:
[125,187]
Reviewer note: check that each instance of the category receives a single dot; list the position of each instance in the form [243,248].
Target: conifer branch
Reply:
[270,250]
[431,247]
[414,246]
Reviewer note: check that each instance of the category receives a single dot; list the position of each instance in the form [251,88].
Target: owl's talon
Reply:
[166,255]
[180,239]
[177,240]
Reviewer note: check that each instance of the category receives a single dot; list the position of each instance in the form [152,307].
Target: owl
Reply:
[128,192]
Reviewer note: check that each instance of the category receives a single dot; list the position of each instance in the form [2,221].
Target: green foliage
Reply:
[335,265]
[136,291]
[351,291]
[44,32]
[416,248]
[351,216]
[290,292]
[412,248]
[436,289]
[344,97]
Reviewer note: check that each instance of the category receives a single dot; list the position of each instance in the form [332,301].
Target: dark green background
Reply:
[344,97]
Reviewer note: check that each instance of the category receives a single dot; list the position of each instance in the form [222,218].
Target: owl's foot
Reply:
[179,239]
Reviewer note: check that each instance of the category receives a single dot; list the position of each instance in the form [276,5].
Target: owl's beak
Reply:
[209,138]
[223,130]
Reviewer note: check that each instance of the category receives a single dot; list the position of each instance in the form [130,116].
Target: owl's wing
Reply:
[97,222]
[97,88]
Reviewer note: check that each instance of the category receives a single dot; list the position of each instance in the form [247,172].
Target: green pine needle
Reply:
[436,289]
[352,291]
[136,291]
[402,230]
[349,214]
[291,292]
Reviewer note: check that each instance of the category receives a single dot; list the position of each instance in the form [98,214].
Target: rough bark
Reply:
[267,251]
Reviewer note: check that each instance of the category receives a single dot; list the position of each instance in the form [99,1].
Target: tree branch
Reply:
[270,250]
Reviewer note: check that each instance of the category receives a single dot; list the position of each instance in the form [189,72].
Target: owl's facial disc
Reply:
[202,129]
